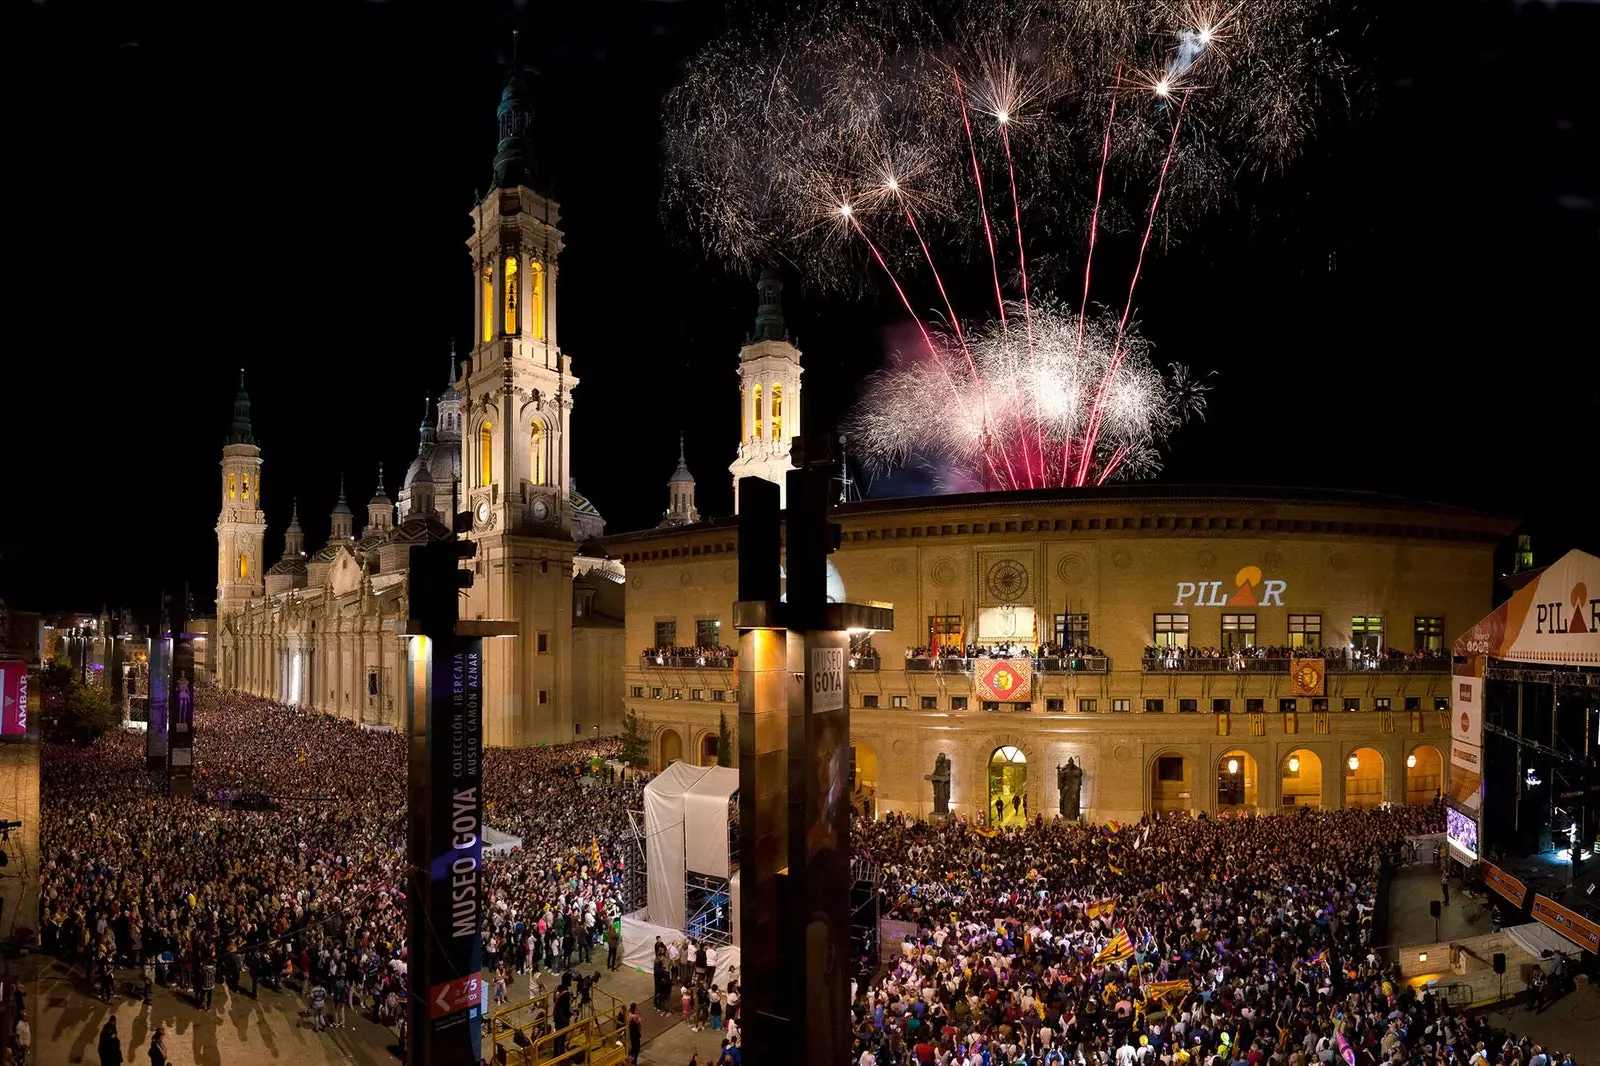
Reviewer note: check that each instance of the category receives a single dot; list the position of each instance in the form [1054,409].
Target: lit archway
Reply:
[1302,779]
[863,779]
[1008,787]
[1238,782]
[1171,783]
[670,746]
[1363,778]
[1424,774]
[708,749]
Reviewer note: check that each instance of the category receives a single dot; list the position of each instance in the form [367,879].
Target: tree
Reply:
[80,716]
[724,742]
[56,679]
[635,748]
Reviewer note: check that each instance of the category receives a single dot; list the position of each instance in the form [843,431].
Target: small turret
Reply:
[342,523]
[380,511]
[681,510]
[294,540]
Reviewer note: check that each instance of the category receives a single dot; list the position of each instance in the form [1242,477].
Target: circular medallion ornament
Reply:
[897,567]
[730,574]
[1122,753]
[636,581]
[1307,678]
[1070,568]
[1008,580]
[943,572]
[685,579]
[1121,558]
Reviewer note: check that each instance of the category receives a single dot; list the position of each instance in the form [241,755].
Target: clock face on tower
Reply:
[483,512]
[541,509]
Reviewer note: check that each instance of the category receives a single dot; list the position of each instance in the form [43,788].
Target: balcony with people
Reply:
[1044,658]
[1275,659]
[668,657]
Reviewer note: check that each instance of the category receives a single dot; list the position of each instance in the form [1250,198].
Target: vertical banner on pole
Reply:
[156,691]
[180,714]
[13,698]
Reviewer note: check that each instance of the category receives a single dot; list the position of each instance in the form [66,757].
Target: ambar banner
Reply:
[1003,680]
[13,698]
[1504,883]
[1569,923]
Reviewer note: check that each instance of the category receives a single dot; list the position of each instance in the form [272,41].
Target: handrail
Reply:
[653,661]
[1045,664]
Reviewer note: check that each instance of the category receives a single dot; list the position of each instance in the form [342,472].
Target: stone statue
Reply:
[1069,779]
[941,785]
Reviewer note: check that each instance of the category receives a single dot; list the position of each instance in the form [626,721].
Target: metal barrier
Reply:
[524,1034]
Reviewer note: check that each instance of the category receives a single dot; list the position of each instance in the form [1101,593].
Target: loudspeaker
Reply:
[1499,962]
[1435,908]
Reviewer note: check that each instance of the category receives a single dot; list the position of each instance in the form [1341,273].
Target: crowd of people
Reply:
[1005,650]
[1179,657]
[1179,940]
[189,892]
[707,655]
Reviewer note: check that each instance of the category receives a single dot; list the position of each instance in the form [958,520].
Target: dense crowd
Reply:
[1176,657]
[1247,940]
[1004,650]
[189,892]
[712,655]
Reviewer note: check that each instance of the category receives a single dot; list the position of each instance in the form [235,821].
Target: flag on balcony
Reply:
[1308,675]
[1117,948]
[1291,722]
[1222,724]
[1004,680]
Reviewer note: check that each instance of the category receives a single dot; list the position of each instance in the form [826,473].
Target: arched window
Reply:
[511,295]
[538,448]
[244,567]
[245,483]
[536,298]
[488,303]
[777,411]
[758,412]
[486,453]
[233,488]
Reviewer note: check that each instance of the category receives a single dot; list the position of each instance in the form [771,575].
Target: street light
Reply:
[1294,764]
[1411,761]
[1355,763]
[1233,766]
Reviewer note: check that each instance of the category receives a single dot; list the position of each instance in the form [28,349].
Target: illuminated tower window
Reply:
[486,453]
[777,411]
[511,294]
[744,416]
[245,480]
[488,304]
[233,488]
[244,567]
[536,298]
[540,465]
[758,412]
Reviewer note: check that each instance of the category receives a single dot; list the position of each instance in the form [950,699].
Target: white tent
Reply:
[686,828]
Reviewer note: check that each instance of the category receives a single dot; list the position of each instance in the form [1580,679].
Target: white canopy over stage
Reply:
[686,831]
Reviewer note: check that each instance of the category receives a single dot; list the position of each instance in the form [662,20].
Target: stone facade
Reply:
[1011,568]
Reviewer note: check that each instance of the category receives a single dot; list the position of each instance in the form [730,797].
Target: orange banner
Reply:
[1308,675]
[1504,883]
[1569,923]
[1004,680]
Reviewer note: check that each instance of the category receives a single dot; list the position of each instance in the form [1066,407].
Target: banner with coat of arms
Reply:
[1003,680]
[1308,675]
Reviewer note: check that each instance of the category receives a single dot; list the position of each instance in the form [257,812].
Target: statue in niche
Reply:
[1069,780]
[940,778]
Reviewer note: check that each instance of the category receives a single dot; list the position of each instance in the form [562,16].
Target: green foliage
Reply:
[724,742]
[635,742]
[79,715]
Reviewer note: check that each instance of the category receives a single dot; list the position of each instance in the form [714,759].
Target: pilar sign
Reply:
[1246,582]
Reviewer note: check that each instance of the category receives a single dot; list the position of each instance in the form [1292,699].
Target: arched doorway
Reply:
[671,748]
[1424,774]
[1363,778]
[1008,785]
[708,749]
[1238,782]
[863,780]
[1302,779]
[1171,784]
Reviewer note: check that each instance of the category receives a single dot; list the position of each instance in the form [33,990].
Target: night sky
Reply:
[287,188]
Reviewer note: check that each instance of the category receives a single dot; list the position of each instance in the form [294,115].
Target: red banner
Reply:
[1569,923]
[1004,680]
[1505,884]
[13,698]
[464,993]
[1307,675]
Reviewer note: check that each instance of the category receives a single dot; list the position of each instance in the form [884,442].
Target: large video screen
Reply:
[1462,831]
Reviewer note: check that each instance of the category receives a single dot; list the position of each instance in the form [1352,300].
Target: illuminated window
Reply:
[1367,633]
[233,488]
[1305,632]
[1430,636]
[486,453]
[487,311]
[1072,630]
[899,701]
[540,467]
[1172,631]
[536,298]
[1238,632]
[777,411]
[758,412]
[511,294]
[744,416]
[244,567]
[244,483]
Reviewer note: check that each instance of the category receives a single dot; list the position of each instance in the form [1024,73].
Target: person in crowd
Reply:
[110,1043]
[158,1047]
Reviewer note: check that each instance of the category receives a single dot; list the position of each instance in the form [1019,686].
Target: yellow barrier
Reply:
[524,1033]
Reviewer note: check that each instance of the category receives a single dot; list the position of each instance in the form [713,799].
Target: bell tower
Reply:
[516,410]
[769,394]
[242,525]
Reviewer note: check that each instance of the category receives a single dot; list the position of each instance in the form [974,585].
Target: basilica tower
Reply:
[515,411]
[242,525]
[769,394]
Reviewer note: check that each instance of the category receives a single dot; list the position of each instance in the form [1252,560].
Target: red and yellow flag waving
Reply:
[1117,948]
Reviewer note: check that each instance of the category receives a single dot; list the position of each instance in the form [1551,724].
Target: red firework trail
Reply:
[1111,464]
[955,323]
[977,178]
[1027,309]
[1097,410]
[926,338]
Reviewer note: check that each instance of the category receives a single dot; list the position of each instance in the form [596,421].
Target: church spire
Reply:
[293,537]
[341,525]
[769,310]
[513,160]
[426,429]
[241,433]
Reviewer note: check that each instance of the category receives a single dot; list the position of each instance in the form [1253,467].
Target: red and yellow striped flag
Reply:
[1102,906]
[1117,948]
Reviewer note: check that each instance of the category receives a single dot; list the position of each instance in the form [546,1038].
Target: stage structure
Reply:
[794,768]
[1525,743]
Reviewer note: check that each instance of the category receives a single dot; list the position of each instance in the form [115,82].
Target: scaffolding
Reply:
[524,1034]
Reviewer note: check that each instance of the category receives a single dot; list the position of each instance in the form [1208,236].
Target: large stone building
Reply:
[327,629]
